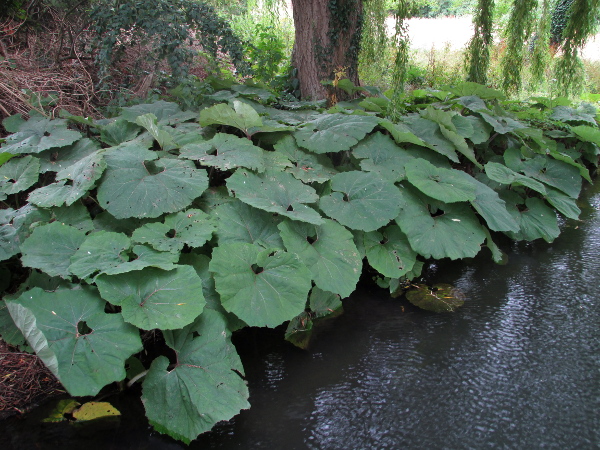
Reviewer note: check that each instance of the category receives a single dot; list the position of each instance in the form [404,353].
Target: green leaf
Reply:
[39,134]
[431,134]
[82,177]
[225,152]
[502,124]
[491,207]
[401,133]
[81,344]
[447,185]
[361,201]
[558,174]
[145,256]
[100,251]
[19,174]
[306,167]
[238,222]
[16,226]
[204,387]
[470,88]
[563,203]
[160,133]
[154,298]
[167,113]
[503,175]
[13,123]
[536,221]
[58,159]
[328,251]
[242,116]
[50,247]
[137,184]
[452,231]
[279,193]
[260,287]
[569,115]
[9,332]
[481,130]
[75,215]
[438,298]
[323,303]
[299,330]
[378,153]
[334,132]
[389,252]
[588,134]
[119,131]
[191,227]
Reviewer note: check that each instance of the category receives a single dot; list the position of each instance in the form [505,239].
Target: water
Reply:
[517,367]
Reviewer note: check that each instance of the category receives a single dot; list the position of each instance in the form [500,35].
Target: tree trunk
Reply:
[327,43]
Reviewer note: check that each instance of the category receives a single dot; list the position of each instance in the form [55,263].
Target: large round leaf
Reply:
[334,132]
[379,153]
[238,222]
[81,344]
[389,252]
[491,207]
[16,226]
[536,221]
[279,193]
[100,251]
[558,174]
[260,287]
[192,227]
[204,387]
[137,184]
[455,233]
[50,247]
[307,167]
[446,185]
[153,298]
[226,151]
[39,134]
[328,251]
[19,174]
[361,201]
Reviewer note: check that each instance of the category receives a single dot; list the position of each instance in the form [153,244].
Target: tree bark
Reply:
[327,42]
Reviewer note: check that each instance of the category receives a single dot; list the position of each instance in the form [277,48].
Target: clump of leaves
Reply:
[196,225]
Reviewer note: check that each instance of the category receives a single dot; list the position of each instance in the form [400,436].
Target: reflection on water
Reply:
[517,367]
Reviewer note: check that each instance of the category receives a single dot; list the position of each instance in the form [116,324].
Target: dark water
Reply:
[517,367]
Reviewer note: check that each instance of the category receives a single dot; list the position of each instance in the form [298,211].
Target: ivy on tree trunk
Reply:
[327,42]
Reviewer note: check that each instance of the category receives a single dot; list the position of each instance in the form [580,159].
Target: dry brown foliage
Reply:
[24,380]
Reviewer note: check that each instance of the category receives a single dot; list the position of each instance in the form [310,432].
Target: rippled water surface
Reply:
[517,367]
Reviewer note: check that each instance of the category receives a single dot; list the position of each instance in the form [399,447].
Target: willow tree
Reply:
[478,51]
[581,24]
[519,28]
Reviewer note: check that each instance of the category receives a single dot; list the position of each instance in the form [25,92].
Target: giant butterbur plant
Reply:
[194,224]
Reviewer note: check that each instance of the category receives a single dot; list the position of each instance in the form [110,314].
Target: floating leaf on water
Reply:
[440,297]
[95,410]
[63,407]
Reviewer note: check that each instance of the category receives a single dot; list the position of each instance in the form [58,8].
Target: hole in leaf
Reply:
[346,198]
[436,212]
[383,241]
[311,240]
[290,208]
[83,329]
[152,167]
[256,269]
[46,134]
[171,233]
